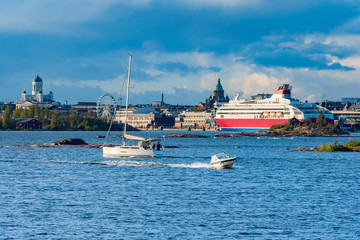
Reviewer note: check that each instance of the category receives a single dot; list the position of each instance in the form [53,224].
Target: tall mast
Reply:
[127,98]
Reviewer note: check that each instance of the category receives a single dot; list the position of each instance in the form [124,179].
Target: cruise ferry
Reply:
[254,115]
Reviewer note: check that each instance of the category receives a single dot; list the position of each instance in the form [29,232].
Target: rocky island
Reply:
[308,128]
[351,146]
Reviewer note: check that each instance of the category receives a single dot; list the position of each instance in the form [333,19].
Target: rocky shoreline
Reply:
[267,134]
[69,143]
[178,135]
[350,146]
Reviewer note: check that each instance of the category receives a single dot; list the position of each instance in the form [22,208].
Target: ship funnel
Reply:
[284,91]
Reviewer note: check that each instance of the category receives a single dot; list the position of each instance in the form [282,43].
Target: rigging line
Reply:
[117,104]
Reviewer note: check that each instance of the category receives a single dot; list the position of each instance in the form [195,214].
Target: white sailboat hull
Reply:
[127,151]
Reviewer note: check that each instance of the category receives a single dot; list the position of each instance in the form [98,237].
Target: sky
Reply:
[80,48]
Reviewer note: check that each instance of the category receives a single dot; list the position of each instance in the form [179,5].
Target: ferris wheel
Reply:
[106,106]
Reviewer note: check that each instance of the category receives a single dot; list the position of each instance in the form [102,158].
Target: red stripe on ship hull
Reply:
[248,123]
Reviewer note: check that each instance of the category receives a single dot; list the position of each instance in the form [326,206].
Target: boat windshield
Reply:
[222,156]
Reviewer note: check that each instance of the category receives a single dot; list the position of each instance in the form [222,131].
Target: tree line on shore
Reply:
[320,127]
[53,120]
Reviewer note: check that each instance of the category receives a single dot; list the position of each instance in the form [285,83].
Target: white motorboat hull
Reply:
[222,160]
[223,163]
[127,151]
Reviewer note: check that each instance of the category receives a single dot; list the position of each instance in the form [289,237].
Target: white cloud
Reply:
[312,85]
[351,62]
[256,82]
[207,81]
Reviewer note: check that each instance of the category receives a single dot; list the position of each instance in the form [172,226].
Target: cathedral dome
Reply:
[37,79]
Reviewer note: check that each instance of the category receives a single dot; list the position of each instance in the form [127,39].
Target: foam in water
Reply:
[154,164]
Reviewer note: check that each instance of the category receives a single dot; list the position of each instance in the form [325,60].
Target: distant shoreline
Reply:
[148,129]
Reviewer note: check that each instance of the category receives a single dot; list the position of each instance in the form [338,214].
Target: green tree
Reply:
[72,119]
[55,120]
[17,113]
[24,113]
[320,120]
[8,122]
[31,112]
[36,111]
[46,113]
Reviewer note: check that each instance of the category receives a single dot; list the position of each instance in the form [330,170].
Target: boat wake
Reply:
[121,163]
[267,138]
[151,164]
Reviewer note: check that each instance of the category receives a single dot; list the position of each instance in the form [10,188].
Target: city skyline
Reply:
[80,49]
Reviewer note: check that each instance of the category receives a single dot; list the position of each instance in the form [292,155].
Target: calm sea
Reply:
[270,193]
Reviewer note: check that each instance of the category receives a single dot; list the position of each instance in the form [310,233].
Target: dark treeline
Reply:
[53,120]
[320,127]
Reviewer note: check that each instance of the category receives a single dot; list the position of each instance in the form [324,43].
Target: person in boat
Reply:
[143,144]
[158,146]
[154,147]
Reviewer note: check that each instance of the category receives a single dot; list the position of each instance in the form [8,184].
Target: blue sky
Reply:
[80,48]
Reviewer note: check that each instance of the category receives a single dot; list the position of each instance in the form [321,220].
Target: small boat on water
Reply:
[143,149]
[222,160]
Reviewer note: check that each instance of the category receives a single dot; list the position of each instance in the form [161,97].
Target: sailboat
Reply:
[143,148]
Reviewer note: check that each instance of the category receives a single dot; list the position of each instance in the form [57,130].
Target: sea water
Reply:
[271,192]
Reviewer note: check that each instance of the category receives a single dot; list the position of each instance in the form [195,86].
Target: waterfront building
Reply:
[195,120]
[28,123]
[348,117]
[37,96]
[354,107]
[136,117]
[348,120]
[84,107]
[333,105]
[144,118]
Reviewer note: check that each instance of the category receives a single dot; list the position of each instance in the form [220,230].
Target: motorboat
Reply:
[222,160]
[143,149]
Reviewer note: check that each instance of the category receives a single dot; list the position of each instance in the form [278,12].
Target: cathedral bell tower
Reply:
[37,85]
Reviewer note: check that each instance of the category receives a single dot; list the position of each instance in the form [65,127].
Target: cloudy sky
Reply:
[80,48]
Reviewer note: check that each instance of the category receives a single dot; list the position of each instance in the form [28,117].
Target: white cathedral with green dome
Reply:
[37,96]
